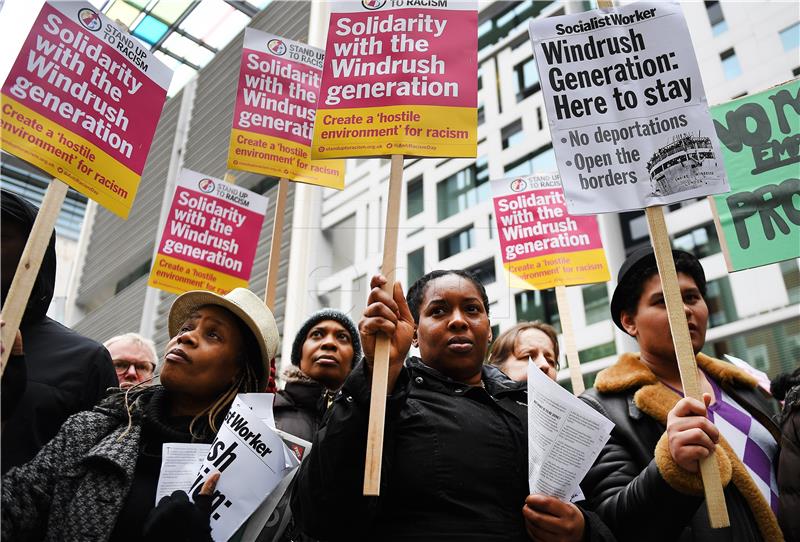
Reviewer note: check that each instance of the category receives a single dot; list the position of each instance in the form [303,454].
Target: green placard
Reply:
[758,221]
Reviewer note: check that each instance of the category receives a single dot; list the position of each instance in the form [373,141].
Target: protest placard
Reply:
[540,242]
[565,436]
[627,109]
[758,222]
[252,460]
[210,237]
[399,78]
[276,103]
[82,102]
[546,247]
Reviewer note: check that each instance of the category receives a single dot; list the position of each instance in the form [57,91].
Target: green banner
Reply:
[759,218]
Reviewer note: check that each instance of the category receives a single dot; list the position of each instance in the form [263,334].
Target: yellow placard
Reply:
[177,276]
[435,131]
[68,156]
[282,158]
[549,271]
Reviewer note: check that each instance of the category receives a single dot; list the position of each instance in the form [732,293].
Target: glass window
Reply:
[597,352]
[790,37]
[595,303]
[481,114]
[634,229]
[511,15]
[456,242]
[340,237]
[32,187]
[150,30]
[539,161]
[416,265]
[466,188]
[588,381]
[730,64]
[701,242]
[484,271]
[512,134]
[791,278]
[773,349]
[716,18]
[538,305]
[414,202]
[721,307]
[526,79]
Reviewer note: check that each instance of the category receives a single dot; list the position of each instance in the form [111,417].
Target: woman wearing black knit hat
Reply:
[646,483]
[325,350]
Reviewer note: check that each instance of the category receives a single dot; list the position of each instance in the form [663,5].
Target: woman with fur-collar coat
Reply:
[637,485]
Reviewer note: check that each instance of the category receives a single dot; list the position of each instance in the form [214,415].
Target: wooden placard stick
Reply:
[275,244]
[709,469]
[380,366]
[29,264]
[573,361]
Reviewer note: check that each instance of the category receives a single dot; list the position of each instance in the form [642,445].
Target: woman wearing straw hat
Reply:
[96,480]
[645,484]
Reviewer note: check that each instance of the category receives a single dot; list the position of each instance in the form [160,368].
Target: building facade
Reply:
[446,213]
[333,241]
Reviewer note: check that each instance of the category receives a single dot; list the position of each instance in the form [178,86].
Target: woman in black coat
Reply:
[325,350]
[646,483]
[455,441]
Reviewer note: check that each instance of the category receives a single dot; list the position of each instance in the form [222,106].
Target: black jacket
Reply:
[454,462]
[299,407]
[641,497]
[789,466]
[66,372]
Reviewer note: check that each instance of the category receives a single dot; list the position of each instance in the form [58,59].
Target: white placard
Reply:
[180,463]
[252,460]
[626,106]
[565,436]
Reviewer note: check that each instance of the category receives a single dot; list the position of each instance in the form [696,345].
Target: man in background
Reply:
[134,359]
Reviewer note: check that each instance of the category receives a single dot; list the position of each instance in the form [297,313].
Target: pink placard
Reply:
[207,215]
[443,60]
[71,74]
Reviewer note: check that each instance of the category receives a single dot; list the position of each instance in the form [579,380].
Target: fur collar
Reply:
[629,372]
[656,400]
[293,374]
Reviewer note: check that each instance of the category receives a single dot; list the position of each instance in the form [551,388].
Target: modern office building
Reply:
[332,241]
[447,220]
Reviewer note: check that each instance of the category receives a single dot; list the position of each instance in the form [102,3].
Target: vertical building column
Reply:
[306,221]
[151,297]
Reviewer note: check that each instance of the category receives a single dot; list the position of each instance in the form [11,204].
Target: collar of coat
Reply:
[656,400]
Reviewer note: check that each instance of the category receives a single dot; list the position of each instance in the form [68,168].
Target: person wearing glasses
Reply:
[134,359]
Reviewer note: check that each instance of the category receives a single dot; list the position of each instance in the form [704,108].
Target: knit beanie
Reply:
[321,316]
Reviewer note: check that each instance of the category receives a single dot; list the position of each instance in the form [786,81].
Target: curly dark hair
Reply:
[416,291]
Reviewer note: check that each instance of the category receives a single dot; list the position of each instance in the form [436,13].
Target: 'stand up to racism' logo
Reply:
[206,185]
[373,4]
[276,47]
[90,19]
[518,185]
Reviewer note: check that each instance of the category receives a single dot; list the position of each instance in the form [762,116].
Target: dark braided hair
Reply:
[633,285]
[416,292]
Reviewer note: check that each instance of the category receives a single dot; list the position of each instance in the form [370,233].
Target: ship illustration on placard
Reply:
[685,163]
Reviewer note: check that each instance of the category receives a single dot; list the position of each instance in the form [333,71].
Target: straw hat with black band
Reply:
[245,305]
